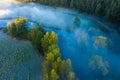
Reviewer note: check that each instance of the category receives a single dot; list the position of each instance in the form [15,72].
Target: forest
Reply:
[107,9]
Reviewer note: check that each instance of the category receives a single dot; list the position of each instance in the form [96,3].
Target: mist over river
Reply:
[92,46]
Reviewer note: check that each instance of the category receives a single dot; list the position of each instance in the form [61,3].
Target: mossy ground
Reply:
[18,59]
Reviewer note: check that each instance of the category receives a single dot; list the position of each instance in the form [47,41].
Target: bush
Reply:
[18,27]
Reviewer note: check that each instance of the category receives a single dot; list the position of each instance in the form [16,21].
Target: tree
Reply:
[54,75]
[48,40]
[32,34]
[54,67]
[98,9]
[77,21]
[18,27]
[35,35]
[71,76]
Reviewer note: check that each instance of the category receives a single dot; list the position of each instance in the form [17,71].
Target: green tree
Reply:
[53,75]
[18,27]
[71,76]
[35,35]
[54,67]
[48,40]
[98,9]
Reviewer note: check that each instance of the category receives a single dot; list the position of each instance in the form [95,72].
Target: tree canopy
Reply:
[35,35]
[54,67]
[18,27]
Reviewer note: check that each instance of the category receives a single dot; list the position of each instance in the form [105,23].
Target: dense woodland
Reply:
[108,9]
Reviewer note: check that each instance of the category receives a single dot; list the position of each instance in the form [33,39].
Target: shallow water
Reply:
[91,59]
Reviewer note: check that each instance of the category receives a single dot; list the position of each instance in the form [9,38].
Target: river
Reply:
[92,46]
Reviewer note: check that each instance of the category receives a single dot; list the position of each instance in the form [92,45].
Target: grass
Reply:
[18,59]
